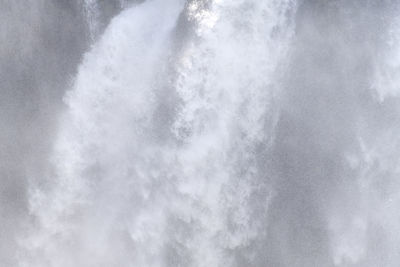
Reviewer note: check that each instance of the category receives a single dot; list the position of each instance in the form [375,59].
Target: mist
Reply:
[199,133]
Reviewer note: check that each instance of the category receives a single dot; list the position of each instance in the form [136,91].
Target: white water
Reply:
[155,162]
[215,133]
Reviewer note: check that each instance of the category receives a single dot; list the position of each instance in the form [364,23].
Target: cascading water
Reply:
[205,133]
[92,15]
[156,157]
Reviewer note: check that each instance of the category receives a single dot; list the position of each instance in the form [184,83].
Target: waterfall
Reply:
[202,133]
[156,158]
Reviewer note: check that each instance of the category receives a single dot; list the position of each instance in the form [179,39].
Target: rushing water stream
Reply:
[209,133]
